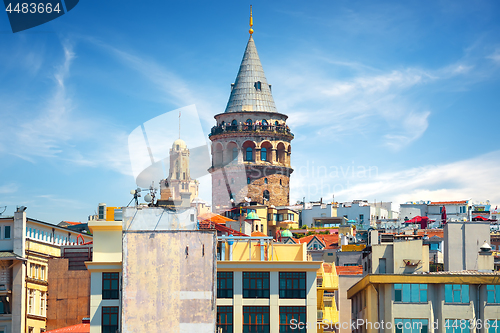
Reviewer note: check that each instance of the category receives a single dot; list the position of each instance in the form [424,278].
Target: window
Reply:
[457,325]
[258,85]
[7,232]
[109,319]
[361,218]
[263,154]
[264,122]
[292,285]
[410,293]
[249,122]
[382,265]
[4,306]
[265,180]
[411,325]
[249,154]
[225,318]
[456,293]
[494,326]
[295,313]
[224,284]
[493,292]
[255,284]
[110,286]
[42,273]
[248,180]
[280,182]
[266,195]
[256,319]
[43,307]
[234,123]
[31,300]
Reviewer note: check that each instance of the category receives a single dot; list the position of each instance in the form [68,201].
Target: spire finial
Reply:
[179,124]
[251,21]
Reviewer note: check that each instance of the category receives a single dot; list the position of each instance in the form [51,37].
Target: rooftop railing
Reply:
[250,128]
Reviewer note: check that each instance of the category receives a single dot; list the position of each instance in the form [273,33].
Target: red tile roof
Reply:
[431,232]
[329,241]
[221,228]
[462,202]
[349,270]
[258,234]
[72,223]
[80,328]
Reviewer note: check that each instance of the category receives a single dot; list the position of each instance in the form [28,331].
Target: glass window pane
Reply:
[415,289]
[448,293]
[465,293]
[423,295]
[406,293]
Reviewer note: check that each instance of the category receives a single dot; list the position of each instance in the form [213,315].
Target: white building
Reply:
[366,213]
[313,210]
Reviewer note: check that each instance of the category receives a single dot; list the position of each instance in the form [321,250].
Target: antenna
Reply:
[179,124]
[4,209]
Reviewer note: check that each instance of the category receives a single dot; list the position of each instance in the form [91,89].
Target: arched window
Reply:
[266,195]
[222,124]
[258,85]
[249,122]
[177,147]
[276,123]
[248,180]
[280,182]
[264,122]
[265,180]
[249,154]
[234,122]
[263,154]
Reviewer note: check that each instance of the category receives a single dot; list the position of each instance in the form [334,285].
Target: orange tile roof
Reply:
[80,328]
[258,234]
[72,223]
[327,268]
[216,218]
[349,270]
[431,232]
[462,202]
[330,241]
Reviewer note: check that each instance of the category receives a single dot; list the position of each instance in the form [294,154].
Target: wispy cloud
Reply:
[477,178]
[8,188]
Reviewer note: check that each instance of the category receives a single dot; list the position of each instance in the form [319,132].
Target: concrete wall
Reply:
[317,210]
[462,242]
[179,267]
[344,303]
[68,300]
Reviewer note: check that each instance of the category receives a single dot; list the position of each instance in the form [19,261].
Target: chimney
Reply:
[485,259]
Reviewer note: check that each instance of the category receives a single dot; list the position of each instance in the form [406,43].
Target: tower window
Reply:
[249,154]
[258,85]
[249,122]
[234,122]
[265,180]
[276,123]
[184,175]
[280,182]
[248,180]
[263,154]
[177,147]
[266,195]
[264,122]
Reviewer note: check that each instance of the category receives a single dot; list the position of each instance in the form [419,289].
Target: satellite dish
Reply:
[148,198]
[247,199]
[132,192]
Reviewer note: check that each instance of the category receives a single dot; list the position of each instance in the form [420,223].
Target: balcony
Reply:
[251,128]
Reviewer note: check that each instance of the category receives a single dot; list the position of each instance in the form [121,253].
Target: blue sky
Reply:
[406,94]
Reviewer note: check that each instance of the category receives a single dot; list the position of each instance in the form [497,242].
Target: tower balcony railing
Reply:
[250,128]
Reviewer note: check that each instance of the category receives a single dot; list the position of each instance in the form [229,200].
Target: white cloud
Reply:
[477,178]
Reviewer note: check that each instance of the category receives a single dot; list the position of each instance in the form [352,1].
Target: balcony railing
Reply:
[250,128]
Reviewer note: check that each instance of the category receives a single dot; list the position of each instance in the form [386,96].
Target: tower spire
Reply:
[179,124]
[251,21]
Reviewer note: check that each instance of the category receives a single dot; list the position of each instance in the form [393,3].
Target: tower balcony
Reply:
[267,129]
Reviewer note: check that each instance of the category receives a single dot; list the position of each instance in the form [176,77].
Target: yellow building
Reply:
[26,245]
[464,301]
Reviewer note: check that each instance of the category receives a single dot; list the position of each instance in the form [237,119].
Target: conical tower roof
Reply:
[250,91]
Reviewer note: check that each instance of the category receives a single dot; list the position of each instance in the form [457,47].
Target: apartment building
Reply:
[26,246]
[451,302]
